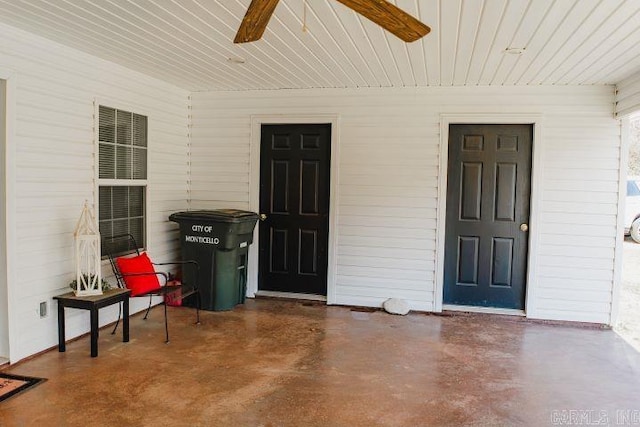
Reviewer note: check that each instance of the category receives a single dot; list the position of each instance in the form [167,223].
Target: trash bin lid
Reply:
[215,215]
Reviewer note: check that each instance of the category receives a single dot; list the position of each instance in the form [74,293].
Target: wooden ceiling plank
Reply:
[530,25]
[352,22]
[565,57]
[627,67]
[398,53]
[471,15]
[225,13]
[151,18]
[507,28]
[123,25]
[430,9]
[540,39]
[566,27]
[491,17]
[416,54]
[209,37]
[345,42]
[450,15]
[626,52]
[398,50]
[118,25]
[188,43]
[54,75]
[82,37]
[288,48]
[413,52]
[604,38]
[380,44]
[293,46]
[313,40]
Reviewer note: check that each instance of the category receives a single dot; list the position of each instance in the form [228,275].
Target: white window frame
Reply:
[102,182]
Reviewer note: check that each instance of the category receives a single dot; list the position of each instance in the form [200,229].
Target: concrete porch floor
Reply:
[288,363]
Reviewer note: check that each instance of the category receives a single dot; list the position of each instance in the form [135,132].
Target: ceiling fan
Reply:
[383,13]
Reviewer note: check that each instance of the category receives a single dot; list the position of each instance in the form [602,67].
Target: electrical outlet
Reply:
[44,309]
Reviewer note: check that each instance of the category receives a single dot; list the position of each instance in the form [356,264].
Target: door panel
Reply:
[471,191]
[488,192]
[505,191]
[280,189]
[468,256]
[294,195]
[310,185]
[278,250]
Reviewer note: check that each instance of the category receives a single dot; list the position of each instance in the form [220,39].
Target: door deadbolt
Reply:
[263,217]
[524,227]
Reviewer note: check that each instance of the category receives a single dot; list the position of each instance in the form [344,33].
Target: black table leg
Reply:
[61,332]
[94,332]
[125,320]
[93,303]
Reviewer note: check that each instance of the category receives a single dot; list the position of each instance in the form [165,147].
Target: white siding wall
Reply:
[52,152]
[628,96]
[388,184]
[4,301]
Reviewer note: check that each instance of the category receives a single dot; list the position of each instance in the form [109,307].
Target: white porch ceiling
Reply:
[188,42]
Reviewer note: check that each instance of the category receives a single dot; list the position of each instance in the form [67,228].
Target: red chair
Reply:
[135,271]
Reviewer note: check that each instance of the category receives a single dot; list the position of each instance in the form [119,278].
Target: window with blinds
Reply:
[122,173]
[122,144]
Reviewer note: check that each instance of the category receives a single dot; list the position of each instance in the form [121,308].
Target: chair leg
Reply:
[148,308]
[198,307]
[117,321]
[166,325]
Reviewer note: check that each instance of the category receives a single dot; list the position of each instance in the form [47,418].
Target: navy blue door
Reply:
[488,193]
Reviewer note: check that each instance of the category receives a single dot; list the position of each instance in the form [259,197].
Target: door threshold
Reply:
[291,295]
[487,310]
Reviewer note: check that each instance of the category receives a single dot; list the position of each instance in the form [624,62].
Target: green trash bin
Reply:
[219,241]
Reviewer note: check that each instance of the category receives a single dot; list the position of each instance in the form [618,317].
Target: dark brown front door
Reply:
[294,196]
[488,192]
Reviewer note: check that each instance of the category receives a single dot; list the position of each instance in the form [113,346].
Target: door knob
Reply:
[263,217]
[524,227]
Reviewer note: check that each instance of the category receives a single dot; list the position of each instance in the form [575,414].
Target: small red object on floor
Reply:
[173,299]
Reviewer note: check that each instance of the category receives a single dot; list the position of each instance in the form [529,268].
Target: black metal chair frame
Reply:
[166,291]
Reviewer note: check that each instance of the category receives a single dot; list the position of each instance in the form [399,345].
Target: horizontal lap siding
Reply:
[579,218]
[220,165]
[54,170]
[628,96]
[388,189]
[378,256]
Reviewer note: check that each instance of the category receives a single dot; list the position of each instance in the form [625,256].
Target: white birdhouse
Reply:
[88,271]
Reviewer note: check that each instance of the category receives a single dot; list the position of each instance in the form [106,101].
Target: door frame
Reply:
[254,192]
[9,181]
[537,148]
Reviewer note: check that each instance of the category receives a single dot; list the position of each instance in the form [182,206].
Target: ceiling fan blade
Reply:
[389,17]
[255,20]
